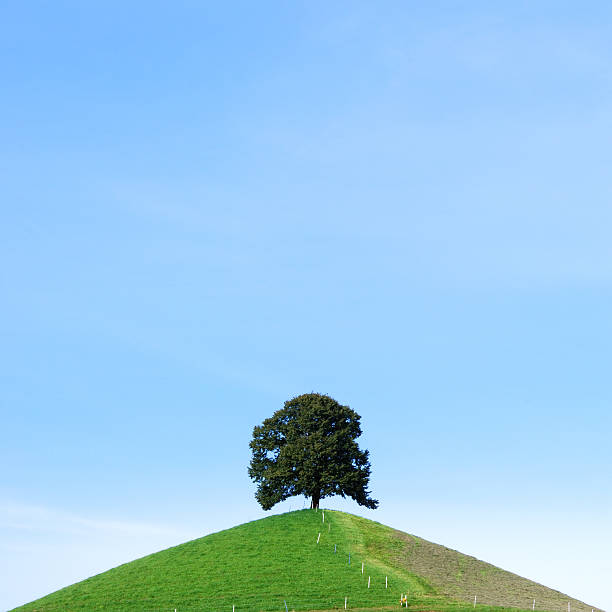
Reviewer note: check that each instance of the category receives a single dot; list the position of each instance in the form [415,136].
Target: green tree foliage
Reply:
[308,448]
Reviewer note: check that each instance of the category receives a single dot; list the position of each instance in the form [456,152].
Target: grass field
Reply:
[275,561]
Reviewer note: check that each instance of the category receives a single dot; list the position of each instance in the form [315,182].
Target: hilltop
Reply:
[301,560]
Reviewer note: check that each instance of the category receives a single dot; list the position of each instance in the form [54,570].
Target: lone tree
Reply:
[308,448]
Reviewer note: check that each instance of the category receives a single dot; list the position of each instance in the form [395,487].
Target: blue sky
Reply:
[210,208]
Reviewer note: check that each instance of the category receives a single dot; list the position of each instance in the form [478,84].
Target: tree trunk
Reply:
[314,503]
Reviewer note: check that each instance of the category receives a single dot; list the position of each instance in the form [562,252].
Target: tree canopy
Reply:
[308,448]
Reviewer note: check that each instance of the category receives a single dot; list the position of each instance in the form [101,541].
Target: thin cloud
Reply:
[51,520]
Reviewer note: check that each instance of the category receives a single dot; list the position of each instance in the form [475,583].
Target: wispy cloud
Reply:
[32,518]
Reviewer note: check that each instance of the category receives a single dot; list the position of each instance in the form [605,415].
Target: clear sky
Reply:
[208,208]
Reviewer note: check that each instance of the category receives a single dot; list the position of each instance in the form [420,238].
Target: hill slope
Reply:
[263,564]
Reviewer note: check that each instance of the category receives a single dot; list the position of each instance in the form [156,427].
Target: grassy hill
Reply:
[275,561]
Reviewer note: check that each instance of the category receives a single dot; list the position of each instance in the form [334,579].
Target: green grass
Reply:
[263,564]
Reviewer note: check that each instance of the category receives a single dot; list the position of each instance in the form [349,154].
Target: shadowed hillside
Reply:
[460,576]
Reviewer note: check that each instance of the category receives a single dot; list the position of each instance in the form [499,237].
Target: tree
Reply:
[308,448]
